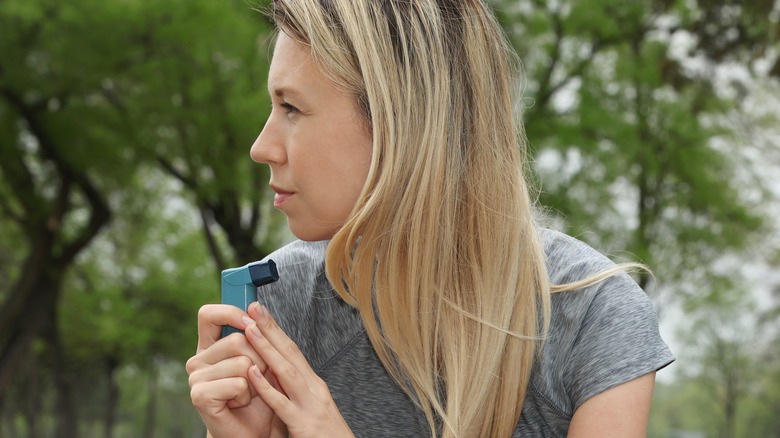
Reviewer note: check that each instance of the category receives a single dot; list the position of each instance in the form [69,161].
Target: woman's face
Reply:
[315,141]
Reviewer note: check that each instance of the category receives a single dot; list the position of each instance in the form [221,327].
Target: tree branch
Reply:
[99,213]
[212,244]
[16,170]
[188,181]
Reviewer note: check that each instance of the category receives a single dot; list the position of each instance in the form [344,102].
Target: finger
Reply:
[275,400]
[232,367]
[293,380]
[274,334]
[224,360]
[235,345]
[212,396]
[212,317]
[229,368]
[271,377]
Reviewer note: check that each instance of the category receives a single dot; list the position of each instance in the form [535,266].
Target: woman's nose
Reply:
[268,147]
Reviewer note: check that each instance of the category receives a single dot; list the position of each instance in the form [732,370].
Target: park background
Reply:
[126,186]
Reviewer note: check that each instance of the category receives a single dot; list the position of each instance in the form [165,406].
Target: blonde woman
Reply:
[422,299]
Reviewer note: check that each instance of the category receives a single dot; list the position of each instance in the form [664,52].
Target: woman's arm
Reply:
[622,411]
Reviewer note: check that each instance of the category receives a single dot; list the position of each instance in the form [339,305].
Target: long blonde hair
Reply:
[441,254]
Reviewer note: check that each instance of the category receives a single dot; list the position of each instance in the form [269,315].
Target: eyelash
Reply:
[290,108]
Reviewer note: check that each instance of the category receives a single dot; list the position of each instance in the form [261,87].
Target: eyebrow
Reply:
[283,90]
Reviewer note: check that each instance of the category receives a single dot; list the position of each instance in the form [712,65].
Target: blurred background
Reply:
[126,186]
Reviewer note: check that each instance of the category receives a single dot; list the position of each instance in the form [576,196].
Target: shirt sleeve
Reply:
[618,340]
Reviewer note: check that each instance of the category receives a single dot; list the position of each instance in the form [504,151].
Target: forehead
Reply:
[292,69]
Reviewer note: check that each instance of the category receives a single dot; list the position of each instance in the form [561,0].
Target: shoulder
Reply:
[619,296]
[305,305]
[614,300]
[301,267]
[599,311]
[299,253]
[600,336]
[570,259]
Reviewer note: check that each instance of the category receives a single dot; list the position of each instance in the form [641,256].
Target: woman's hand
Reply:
[298,397]
[219,384]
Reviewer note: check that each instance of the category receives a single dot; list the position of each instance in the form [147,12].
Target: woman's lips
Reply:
[281,197]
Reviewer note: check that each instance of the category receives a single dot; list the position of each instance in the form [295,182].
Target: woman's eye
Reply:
[289,108]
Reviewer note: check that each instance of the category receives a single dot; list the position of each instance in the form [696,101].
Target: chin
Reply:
[310,234]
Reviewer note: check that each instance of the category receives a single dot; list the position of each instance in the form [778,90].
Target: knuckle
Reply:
[203,311]
[322,390]
[323,386]
[235,341]
[290,349]
[244,362]
[290,372]
[268,323]
[328,404]
[197,396]
[191,365]
[194,379]
[241,385]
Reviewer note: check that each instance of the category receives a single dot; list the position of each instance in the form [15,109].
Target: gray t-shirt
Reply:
[600,336]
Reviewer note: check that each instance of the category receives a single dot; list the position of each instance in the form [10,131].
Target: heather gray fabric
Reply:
[600,337]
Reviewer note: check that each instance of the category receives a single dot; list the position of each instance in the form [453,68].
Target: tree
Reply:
[50,190]
[94,96]
[91,92]
[721,338]
[653,129]
[121,310]
[202,103]
[628,130]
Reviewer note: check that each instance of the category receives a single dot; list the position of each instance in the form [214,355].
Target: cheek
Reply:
[344,182]
[331,164]
[360,165]
[340,190]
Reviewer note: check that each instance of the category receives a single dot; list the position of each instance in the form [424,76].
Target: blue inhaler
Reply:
[239,286]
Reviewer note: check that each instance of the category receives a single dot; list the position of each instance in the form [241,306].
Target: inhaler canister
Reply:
[239,286]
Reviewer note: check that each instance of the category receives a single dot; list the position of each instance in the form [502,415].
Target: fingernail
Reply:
[256,371]
[264,311]
[247,320]
[255,331]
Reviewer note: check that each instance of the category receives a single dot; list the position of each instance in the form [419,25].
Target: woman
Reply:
[427,307]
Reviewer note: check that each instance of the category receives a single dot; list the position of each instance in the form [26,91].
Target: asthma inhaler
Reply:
[239,286]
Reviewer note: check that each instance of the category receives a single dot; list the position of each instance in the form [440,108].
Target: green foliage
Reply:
[759,414]
[137,289]
[688,405]
[153,106]
[197,105]
[629,135]
[682,406]
[638,145]
[642,133]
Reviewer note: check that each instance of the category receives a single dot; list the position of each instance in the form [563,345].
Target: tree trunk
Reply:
[7,417]
[24,313]
[151,405]
[32,396]
[730,406]
[66,414]
[33,299]
[112,397]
